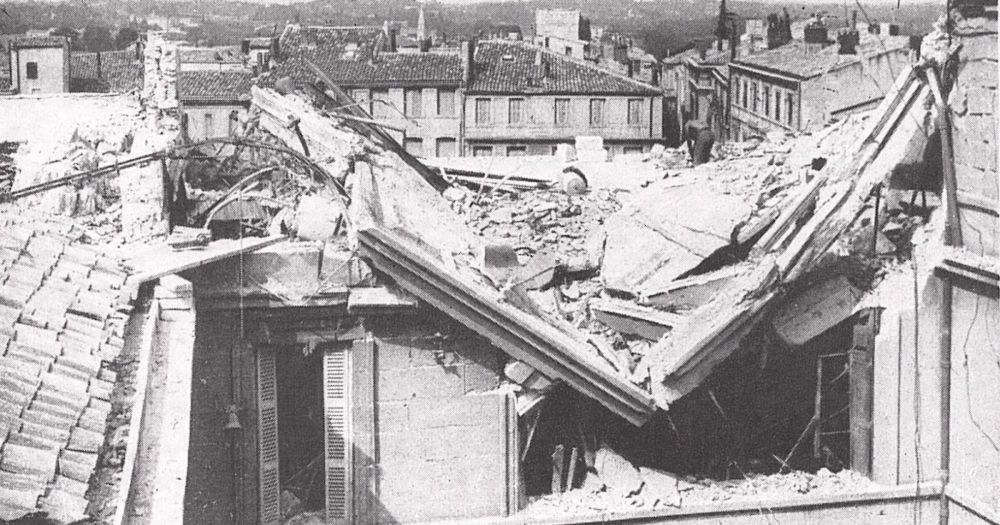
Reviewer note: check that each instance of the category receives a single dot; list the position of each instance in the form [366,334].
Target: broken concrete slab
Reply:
[666,231]
[694,291]
[815,310]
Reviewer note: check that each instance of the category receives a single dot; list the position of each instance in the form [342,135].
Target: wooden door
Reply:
[267,428]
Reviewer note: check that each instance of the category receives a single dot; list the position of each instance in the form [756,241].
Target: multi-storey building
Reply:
[521,100]
[498,97]
[415,92]
[806,84]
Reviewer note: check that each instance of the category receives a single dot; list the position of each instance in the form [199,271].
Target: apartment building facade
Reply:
[523,100]
[803,86]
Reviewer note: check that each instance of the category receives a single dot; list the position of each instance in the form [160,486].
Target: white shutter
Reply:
[336,398]
[267,427]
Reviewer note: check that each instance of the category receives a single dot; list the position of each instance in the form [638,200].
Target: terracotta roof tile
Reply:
[121,72]
[39,41]
[214,86]
[351,57]
[506,66]
[54,387]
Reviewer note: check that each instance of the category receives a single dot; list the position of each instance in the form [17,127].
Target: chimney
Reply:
[468,50]
[99,65]
[245,46]
[275,48]
[393,40]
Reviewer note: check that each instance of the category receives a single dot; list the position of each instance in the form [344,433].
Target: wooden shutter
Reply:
[336,400]
[267,428]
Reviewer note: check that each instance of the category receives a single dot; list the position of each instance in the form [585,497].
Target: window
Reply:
[445,147]
[414,146]
[562,112]
[788,107]
[515,111]
[569,51]
[414,103]
[209,125]
[446,102]
[380,103]
[597,112]
[482,151]
[746,88]
[777,105]
[32,70]
[517,151]
[635,111]
[482,111]
[767,101]
[736,91]
[753,99]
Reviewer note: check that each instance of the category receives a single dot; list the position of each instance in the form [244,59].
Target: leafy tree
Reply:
[126,36]
[96,38]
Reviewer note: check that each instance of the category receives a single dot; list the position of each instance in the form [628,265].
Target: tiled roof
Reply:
[806,61]
[213,86]
[348,55]
[39,41]
[507,66]
[121,72]
[259,42]
[222,55]
[62,322]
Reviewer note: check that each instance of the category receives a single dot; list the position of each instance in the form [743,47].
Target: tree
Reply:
[96,38]
[125,37]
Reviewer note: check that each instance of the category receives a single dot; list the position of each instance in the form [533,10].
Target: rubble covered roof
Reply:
[214,86]
[62,320]
[121,72]
[507,66]
[350,57]
[806,60]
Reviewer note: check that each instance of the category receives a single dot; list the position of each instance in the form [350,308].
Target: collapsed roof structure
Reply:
[332,241]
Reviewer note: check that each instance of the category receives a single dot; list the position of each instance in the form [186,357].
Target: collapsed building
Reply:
[305,324]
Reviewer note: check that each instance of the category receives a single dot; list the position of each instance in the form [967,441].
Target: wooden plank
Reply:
[365,458]
[694,291]
[158,260]
[952,225]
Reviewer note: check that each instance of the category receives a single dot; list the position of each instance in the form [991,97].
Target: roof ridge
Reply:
[574,60]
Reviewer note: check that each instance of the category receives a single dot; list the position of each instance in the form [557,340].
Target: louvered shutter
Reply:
[336,398]
[267,427]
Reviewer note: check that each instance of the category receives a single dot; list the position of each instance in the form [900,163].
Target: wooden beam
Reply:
[953,224]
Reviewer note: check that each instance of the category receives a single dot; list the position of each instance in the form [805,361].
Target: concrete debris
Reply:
[620,477]
[661,489]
